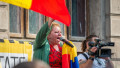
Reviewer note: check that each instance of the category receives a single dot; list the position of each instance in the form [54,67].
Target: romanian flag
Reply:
[69,56]
[55,9]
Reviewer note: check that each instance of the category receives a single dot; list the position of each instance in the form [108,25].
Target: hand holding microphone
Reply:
[67,42]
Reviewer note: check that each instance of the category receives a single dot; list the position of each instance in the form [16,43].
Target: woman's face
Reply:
[55,35]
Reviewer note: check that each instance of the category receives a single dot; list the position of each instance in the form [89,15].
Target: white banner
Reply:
[8,60]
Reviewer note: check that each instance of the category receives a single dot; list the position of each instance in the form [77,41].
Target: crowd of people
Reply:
[48,48]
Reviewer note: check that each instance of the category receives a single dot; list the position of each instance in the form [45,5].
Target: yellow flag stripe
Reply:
[21,3]
[66,49]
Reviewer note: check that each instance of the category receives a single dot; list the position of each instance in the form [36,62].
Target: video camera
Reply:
[101,52]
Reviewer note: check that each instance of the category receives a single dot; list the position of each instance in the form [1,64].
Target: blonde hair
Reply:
[54,24]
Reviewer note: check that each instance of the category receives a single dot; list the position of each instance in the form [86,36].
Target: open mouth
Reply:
[58,38]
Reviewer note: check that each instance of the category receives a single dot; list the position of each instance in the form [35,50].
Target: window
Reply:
[34,22]
[24,24]
[16,21]
[78,25]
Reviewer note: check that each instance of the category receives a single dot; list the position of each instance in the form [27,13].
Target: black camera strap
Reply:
[85,55]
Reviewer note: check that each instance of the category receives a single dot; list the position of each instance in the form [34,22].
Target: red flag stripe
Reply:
[52,8]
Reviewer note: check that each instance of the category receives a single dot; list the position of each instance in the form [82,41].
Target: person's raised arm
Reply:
[41,37]
[50,22]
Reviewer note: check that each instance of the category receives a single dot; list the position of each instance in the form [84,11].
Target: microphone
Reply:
[67,42]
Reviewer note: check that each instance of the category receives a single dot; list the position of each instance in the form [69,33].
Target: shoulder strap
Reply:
[85,55]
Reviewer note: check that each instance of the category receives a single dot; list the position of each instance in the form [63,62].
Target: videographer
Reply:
[89,60]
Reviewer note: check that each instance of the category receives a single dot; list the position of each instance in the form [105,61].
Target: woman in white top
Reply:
[89,61]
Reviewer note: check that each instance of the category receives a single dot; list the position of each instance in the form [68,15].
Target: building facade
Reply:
[100,17]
